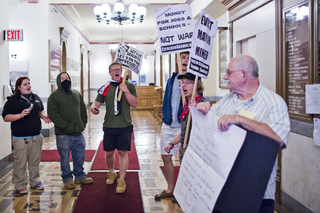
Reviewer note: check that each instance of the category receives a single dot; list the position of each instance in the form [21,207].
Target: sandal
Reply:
[163,194]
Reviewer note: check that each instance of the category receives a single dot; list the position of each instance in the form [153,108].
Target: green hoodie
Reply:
[67,110]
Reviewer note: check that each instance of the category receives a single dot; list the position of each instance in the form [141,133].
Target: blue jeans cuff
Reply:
[81,177]
[66,180]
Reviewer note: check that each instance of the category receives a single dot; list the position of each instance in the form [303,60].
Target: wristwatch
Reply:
[171,144]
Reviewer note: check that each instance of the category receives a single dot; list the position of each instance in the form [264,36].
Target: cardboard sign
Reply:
[220,171]
[202,44]
[249,177]
[129,57]
[207,162]
[175,28]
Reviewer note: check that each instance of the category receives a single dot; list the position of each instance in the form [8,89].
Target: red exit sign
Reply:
[13,35]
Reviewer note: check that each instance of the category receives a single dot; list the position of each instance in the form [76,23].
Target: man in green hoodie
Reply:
[69,115]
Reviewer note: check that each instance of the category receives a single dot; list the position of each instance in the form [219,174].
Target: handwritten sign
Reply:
[313,99]
[202,44]
[207,162]
[175,28]
[129,57]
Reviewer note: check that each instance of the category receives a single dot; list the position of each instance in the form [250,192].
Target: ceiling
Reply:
[80,14]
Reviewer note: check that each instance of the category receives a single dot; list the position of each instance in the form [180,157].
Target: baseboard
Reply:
[6,164]
[279,208]
[291,204]
[47,132]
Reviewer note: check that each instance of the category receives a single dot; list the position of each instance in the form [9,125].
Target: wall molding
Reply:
[239,8]
[301,127]
[291,204]
[6,164]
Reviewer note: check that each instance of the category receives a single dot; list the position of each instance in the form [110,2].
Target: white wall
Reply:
[301,164]
[261,25]
[34,46]
[37,32]
[75,39]
[301,169]
[198,5]
[157,48]
[41,24]
[5,139]
[147,67]
[100,61]
[211,84]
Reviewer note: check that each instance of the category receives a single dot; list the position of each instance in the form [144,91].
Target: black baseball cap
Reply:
[189,76]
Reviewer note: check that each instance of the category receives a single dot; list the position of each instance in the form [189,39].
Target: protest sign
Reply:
[247,181]
[202,43]
[207,162]
[175,28]
[129,57]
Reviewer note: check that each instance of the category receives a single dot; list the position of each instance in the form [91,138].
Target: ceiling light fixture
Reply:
[120,13]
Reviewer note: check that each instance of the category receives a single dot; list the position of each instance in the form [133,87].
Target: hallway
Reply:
[54,198]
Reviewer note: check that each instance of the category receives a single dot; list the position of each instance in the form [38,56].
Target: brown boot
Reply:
[111,176]
[121,186]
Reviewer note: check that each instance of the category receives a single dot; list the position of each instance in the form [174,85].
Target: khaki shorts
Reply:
[169,133]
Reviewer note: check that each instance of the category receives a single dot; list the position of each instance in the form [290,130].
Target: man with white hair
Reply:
[254,107]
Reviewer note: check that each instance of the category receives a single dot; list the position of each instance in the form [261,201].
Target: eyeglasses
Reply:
[186,82]
[229,72]
[116,70]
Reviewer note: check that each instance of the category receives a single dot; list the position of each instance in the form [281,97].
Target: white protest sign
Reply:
[202,44]
[129,57]
[175,28]
[207,162]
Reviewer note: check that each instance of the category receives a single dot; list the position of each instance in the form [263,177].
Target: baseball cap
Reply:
[189,76]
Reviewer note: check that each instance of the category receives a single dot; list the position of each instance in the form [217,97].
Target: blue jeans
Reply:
[77,145]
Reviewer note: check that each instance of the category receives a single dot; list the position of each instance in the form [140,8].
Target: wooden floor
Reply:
[55,198]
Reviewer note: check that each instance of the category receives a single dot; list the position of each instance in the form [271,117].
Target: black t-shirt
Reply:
[30,125]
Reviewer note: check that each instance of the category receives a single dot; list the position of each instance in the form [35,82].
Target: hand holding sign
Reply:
[130,58]
[207,162]
[200,57]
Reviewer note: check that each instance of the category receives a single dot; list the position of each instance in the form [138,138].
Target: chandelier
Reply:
[120,13]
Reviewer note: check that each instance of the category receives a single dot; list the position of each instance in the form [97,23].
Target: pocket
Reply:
[38,139]
[18,144]
[129,128]
[62,141]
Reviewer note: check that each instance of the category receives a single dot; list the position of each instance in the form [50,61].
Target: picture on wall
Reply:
[143,78]
[54,61]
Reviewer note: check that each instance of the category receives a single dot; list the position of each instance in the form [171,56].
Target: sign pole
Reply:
[123,81]
[189,118]
[180,73]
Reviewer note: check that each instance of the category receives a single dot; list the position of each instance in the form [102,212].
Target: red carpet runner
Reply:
[100,197]
[53,155]
[176,172]
[99,162]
